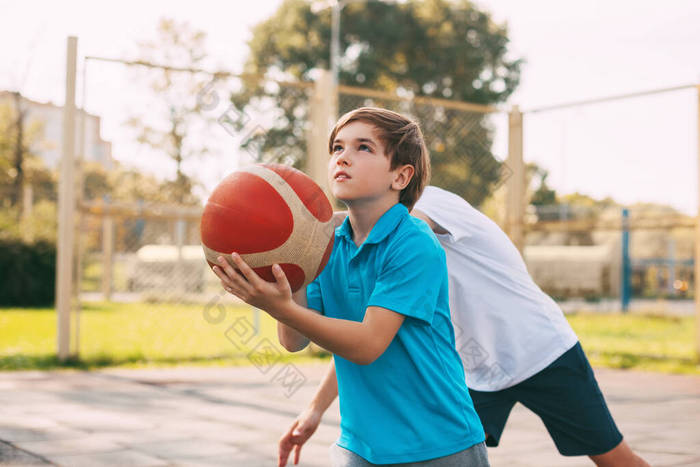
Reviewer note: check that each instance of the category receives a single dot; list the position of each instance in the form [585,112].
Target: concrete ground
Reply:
[234,416]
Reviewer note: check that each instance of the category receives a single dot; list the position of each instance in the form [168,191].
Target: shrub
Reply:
[27,273]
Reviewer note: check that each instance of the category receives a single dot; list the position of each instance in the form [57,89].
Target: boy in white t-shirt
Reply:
[514,341]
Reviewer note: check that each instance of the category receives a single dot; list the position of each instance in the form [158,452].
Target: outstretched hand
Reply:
[301,430]
[245,284]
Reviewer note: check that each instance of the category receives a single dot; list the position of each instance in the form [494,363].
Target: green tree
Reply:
[436,48]
[6,179]
[124,184]
[177,131]
[19,168]
[542,195]
[19,165]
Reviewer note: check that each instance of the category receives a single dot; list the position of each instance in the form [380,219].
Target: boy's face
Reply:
[358,169]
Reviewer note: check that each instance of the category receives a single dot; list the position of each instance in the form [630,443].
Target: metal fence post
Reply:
[625,287]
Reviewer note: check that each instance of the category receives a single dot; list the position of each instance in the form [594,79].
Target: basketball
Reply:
[270,213]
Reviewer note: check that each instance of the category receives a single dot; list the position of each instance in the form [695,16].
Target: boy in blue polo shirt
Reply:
[380,306]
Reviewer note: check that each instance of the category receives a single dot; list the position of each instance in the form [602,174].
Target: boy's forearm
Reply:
[348,339]
[326,392]
[290,338]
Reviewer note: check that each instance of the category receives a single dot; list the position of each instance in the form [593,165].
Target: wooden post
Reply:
[515,185]
[66,208]
[107,256]
[80,220]
[697,243]
[179,273]
[322,107]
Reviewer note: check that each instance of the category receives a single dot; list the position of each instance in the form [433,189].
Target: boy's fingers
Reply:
[297,453]
[285,445]
[242,294]
[290,431]
[245,270]
[280,276]
[226,267]
[233,277]
[283,453]
[225,281]
[283,456]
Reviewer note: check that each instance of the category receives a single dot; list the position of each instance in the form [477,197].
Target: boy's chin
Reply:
[345,200]
[340,196]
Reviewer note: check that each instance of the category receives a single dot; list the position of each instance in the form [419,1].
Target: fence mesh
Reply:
[139,232]
[630,155]
[139,241]
[459,138]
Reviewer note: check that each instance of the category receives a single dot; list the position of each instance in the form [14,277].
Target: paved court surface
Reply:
[234,416]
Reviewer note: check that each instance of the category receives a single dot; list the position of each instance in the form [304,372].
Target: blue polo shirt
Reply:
[411,404]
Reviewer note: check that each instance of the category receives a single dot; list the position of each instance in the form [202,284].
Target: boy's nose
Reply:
[342,159]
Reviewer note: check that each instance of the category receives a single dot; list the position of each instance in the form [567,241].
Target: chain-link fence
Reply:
[621,231]
[155,155]
[138,234]
[179,132]
[136,253]
[148,248]
[140,203]
[459,136]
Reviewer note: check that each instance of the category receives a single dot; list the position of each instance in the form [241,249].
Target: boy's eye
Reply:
[337,148]
[364,147]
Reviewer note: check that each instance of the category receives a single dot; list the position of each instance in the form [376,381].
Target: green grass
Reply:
[642,342]
[143,334]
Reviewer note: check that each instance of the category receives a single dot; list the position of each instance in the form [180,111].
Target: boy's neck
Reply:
[363,216]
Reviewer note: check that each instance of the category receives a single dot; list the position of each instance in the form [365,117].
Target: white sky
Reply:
[643,149]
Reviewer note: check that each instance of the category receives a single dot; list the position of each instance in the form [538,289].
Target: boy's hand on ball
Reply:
[245,284]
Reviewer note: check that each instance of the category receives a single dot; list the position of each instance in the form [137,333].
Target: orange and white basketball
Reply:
[270,213]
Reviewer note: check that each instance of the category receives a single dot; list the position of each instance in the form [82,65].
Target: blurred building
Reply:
[575,271]
[581,261]
[48,145]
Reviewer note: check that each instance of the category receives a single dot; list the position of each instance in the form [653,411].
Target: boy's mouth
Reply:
[341,176]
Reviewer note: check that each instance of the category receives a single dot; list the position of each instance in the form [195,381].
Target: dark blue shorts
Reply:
[565,395]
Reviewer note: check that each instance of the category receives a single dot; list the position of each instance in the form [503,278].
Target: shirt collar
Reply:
[383,227]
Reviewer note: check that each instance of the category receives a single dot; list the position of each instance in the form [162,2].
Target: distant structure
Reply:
[48,146]
[575,271]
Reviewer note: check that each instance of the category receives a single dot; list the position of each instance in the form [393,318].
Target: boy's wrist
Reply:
[316,407]
[283,310]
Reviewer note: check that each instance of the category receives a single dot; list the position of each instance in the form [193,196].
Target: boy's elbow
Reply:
[366,357]
[294,345]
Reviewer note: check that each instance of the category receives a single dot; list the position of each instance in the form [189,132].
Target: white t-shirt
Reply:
[506,328]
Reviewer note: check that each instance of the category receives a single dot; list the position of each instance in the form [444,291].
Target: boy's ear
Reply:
[402,177]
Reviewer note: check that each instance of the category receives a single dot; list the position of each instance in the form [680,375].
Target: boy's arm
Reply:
[326,392]
[307,422]
[434,226]
[361,343]
[290,338]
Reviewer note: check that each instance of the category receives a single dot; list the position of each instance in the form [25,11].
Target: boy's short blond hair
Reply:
[403,144]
